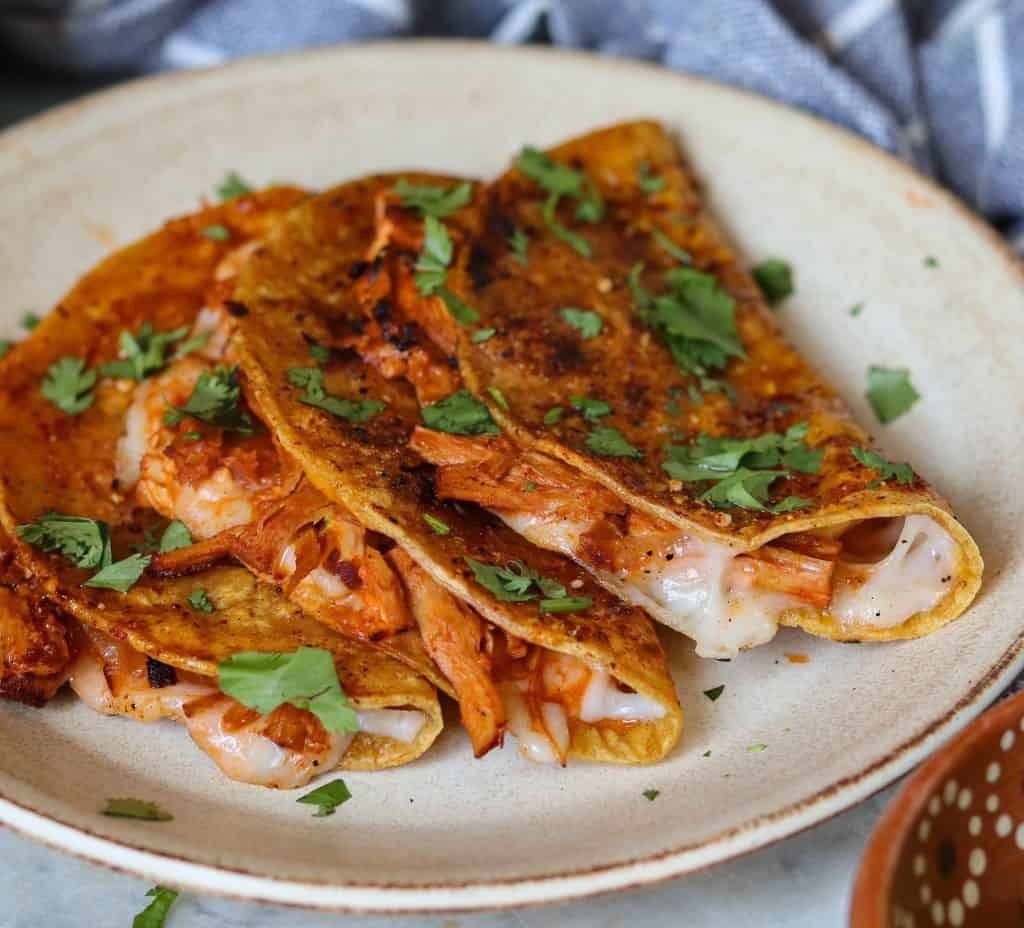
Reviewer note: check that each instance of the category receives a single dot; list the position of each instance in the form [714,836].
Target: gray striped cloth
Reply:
[938,82]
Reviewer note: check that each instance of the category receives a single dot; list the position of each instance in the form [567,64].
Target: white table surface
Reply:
[803,882]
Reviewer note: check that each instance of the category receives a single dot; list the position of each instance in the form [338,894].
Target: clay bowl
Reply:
[949,850]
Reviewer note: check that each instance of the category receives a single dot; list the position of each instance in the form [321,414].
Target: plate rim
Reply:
[524,891]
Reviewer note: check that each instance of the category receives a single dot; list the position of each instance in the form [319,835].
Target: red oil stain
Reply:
[795,658]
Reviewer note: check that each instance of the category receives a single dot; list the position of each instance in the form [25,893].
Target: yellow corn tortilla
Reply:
[294,288]
[55,461]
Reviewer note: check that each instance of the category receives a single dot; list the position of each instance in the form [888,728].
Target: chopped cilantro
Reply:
[649,183]
[573,239]
[651,794]
[519,242]
[586,321]
[890,392]
[610,442]
[144,353]
[438,527]
[136,808]
[306,678]
[756,748]
[856,310]
[311,380]
[775,278]
[498,398]
[154,915]
[232,186]
[482,335]
[319,353]
[931,261]
[215,399]
[460,414]
[120,575]
[175,536]
[715,692]
[680,254]
[461,312]
[200,601]
[593,410]
[553,416]
[29,321]
[695,318]
[216,233]
[903,473]
[84,542]
[68,385]
[327,798]
[432,264]
[568,604]
[560,180]
[5,346]
[429,200]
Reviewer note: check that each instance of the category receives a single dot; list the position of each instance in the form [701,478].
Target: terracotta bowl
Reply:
[949,850]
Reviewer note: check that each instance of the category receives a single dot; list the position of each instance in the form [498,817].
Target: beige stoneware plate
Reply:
[448,832]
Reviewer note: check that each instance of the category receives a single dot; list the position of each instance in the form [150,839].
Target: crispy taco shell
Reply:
[297,288]
[537,361]
[58,462]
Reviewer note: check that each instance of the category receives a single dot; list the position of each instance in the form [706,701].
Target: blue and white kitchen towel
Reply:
[939,82]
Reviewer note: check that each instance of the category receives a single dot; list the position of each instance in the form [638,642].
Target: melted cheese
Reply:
[908,580]
[604,700]
[399,724]
[533,745]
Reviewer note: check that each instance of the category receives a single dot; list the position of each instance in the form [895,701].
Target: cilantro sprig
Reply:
[311,381]
[887,470]
[143,354]
[431,200]
[432,271]
[69,385]
[461,413]
[516,582]
[743,470]
[560,180]
[588,323]
[306,678]
[215,399]
[694,317]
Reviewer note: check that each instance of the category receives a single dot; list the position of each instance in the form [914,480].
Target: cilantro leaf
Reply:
[715,692]
[135,808]
[856,310]
[507,584]
[566,604]
[573,239]
[744,488]
[711,458]
[436,525]
[68,385]
[120,575]
[154,915]
[610,442]
[775,279]
[931,261]
[590,207]
[29,321]
[461,312]
[695,319]
[232,186]
[593,410]
[175,536]
[144,353]
[790,503]
[5,346]
[553,416]
[680,254]
[903,473]
[432,264]
[756,748]
[586,321]
[306,678]
[482,335]
[651,794]
[327,798]
[460,414]
[215,399]
[434,201]
[555,178]
[200,601]
[319,353]
[84,542]
[519,242]
[649,183]
[311,380]
[498,398]
[216,232]
[890,392]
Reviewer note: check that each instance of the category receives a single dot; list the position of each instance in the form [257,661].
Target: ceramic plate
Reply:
[448,832]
